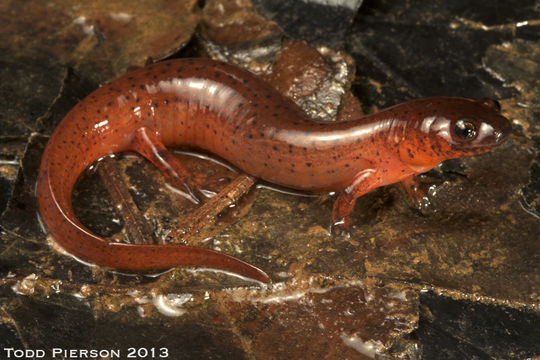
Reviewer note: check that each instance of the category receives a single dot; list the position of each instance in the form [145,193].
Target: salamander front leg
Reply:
[148,144]
[363,183]
[418,197]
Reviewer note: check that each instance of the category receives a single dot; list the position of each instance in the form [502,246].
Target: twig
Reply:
[209,210]
[137,227]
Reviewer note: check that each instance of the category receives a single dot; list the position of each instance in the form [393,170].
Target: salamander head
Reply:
[455,127]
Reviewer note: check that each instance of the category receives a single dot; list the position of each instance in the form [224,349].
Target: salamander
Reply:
[233,114]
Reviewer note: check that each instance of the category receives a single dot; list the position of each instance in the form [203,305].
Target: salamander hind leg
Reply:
[364,182]
[148,144]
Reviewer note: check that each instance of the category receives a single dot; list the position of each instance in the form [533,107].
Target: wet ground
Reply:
[458,279]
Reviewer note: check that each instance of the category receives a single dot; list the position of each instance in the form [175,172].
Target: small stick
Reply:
[138,229]
[209,210]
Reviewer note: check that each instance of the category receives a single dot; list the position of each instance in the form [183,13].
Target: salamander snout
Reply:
[480,126]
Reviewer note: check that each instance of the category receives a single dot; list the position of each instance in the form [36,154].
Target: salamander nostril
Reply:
[493,104]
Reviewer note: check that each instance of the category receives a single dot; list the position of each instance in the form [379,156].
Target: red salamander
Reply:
[229,112]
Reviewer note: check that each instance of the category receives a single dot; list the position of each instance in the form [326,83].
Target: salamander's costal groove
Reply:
[217,107]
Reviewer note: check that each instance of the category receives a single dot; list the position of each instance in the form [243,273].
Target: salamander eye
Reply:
[465,129]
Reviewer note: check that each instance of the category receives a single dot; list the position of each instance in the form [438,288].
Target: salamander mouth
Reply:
[476,149]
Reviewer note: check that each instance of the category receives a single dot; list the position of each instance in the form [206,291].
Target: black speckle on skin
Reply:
[109,103]
[274,147]
[308,164]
